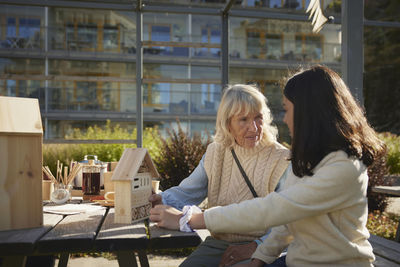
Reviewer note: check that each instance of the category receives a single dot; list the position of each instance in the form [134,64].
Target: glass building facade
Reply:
[79,59]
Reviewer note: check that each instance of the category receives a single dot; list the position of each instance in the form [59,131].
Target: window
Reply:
[82,37]
[308,47]
[23,32]
[265,3]
[210,36]
[296,4]
[264,45]
[274,46]
[87,36]
[85,96]
[159,33]
[253,42]
[11,27]
[205,98]
[156,94]
[110,37]
[162,33]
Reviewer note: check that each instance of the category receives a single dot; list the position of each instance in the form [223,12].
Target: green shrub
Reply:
[105,152]
[376,174]
[179,156]
[383,224]
[392,142]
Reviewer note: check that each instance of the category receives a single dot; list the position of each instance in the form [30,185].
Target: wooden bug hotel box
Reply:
[132,185]
[21,136]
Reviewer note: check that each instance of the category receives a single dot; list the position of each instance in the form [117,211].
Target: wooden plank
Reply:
[129,164]
[15,242]
[20,181]
[162,238]
[123,201]
[20,115]
[118,236]
[382,262]
[75,233]
[390,190]
[385,248]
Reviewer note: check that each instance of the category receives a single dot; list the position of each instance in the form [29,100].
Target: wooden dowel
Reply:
[65,175]
[58,169]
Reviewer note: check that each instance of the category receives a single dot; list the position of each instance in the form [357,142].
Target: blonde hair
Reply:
[242,98]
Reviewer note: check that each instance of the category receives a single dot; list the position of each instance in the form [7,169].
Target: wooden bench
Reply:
[387,252]
[390,191]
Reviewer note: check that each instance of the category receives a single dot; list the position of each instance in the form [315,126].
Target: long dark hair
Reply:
[326,118]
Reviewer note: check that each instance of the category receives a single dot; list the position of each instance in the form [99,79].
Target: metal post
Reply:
[225,43]
[225,50]
[139,76]
[46,71]
[352,46]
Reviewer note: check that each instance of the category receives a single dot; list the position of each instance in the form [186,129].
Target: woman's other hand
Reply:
[236,253]
[155,199]
[166,216]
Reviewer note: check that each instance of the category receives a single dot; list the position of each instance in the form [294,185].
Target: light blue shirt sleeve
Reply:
[277,189]
[191,191]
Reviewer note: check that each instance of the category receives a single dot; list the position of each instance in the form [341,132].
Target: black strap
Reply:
[244,174]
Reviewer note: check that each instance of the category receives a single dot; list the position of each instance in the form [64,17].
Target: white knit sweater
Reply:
[321,218]
[264,165]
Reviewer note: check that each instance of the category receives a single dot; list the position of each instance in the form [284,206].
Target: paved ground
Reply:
[394,205]
[154,261]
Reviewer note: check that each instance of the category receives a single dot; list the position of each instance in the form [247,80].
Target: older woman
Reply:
[243,128]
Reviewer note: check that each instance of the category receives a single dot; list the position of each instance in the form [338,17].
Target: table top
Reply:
[92,231]
[390,190]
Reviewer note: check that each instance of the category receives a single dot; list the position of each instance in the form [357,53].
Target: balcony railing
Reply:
[285,49]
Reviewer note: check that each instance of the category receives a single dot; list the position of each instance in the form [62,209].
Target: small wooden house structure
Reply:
[21,136]
[132,185]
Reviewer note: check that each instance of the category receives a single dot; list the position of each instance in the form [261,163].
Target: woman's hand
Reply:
[155,199]
[237,253]
[166,216]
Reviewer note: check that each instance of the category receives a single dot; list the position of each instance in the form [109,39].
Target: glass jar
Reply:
[60,195]
[91,179]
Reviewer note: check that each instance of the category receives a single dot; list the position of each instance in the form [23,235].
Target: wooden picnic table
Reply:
[93,231]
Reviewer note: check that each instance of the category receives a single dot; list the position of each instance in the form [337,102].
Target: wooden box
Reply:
[21,136]
[132,185]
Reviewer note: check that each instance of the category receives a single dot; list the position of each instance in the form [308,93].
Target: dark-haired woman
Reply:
[320,214]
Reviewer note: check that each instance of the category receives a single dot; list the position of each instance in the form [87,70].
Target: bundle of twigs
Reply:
[65,179]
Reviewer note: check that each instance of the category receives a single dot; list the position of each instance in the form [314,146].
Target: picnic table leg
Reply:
[14,261]
[144,262]
[63,262]
[126,258]
[397,238]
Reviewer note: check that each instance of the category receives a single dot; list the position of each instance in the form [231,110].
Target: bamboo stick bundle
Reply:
[76,167]
[47,171]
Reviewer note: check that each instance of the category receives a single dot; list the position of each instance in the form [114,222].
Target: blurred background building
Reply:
[79,57]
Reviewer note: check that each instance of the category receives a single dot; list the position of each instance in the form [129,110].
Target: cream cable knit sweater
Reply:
[322,217]
[263,164]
